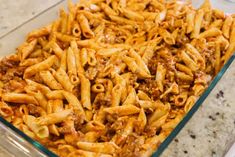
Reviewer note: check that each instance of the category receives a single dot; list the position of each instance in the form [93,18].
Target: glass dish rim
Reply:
[169,138]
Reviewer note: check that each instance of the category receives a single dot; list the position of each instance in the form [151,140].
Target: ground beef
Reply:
[150,87]
[14,86]
[152,65]
[8,62]
[101,100]
[34,110]
[132,146]
[133,79]
[91,73]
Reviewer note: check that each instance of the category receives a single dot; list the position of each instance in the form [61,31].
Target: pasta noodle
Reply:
[114,77]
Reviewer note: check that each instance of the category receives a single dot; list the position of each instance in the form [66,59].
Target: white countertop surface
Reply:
[209,133]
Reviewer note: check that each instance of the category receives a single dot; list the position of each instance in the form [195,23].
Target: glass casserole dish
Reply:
[14,134]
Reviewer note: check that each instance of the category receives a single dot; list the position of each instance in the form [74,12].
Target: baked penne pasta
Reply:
[114,77]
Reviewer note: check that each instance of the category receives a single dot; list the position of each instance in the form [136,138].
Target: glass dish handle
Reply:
[14,144]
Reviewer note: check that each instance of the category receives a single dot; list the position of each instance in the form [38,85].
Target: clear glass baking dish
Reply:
[16,143]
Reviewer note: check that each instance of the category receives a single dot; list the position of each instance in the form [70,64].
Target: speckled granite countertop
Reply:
[209,133]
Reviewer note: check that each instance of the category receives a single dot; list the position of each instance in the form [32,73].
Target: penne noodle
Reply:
[57,50]
[196,55]
[142,119]
[64,37]
[53,129]
[135,68]
[102,147]
[70,20]
[5,110]
[85,92]
[121,20]
[132,15]
[72,67]
[63,61]
[190,21]
[108,10]
[108,52]
[88,43]
[216,24]
[184,69]
[76,30]
[189,103]
[66,149]
[91,60]
[39,32]
[40,131]
[84,153]
[41,99]
[184,77]
[56,94]
[139,61]
[188,61]
[62,77]
[227,26]
[44,65]
[92,136]
[36,53]
[19,98]
[213,32]
[167,37]
[97,88]
[217,57]
[53,118]
[84,56]
[198,89]
[143,96]
[160,77]
[218,13]
[174,88]
[146,104]
[181,99]
[49,80]
[85,27]
[27,131]
[131,98]
[30,61]
[74,102]
[63,21]
[116,95]
[38,86]
[27,48]
[57,105]
[77,57]
[197,23]
[122,110]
